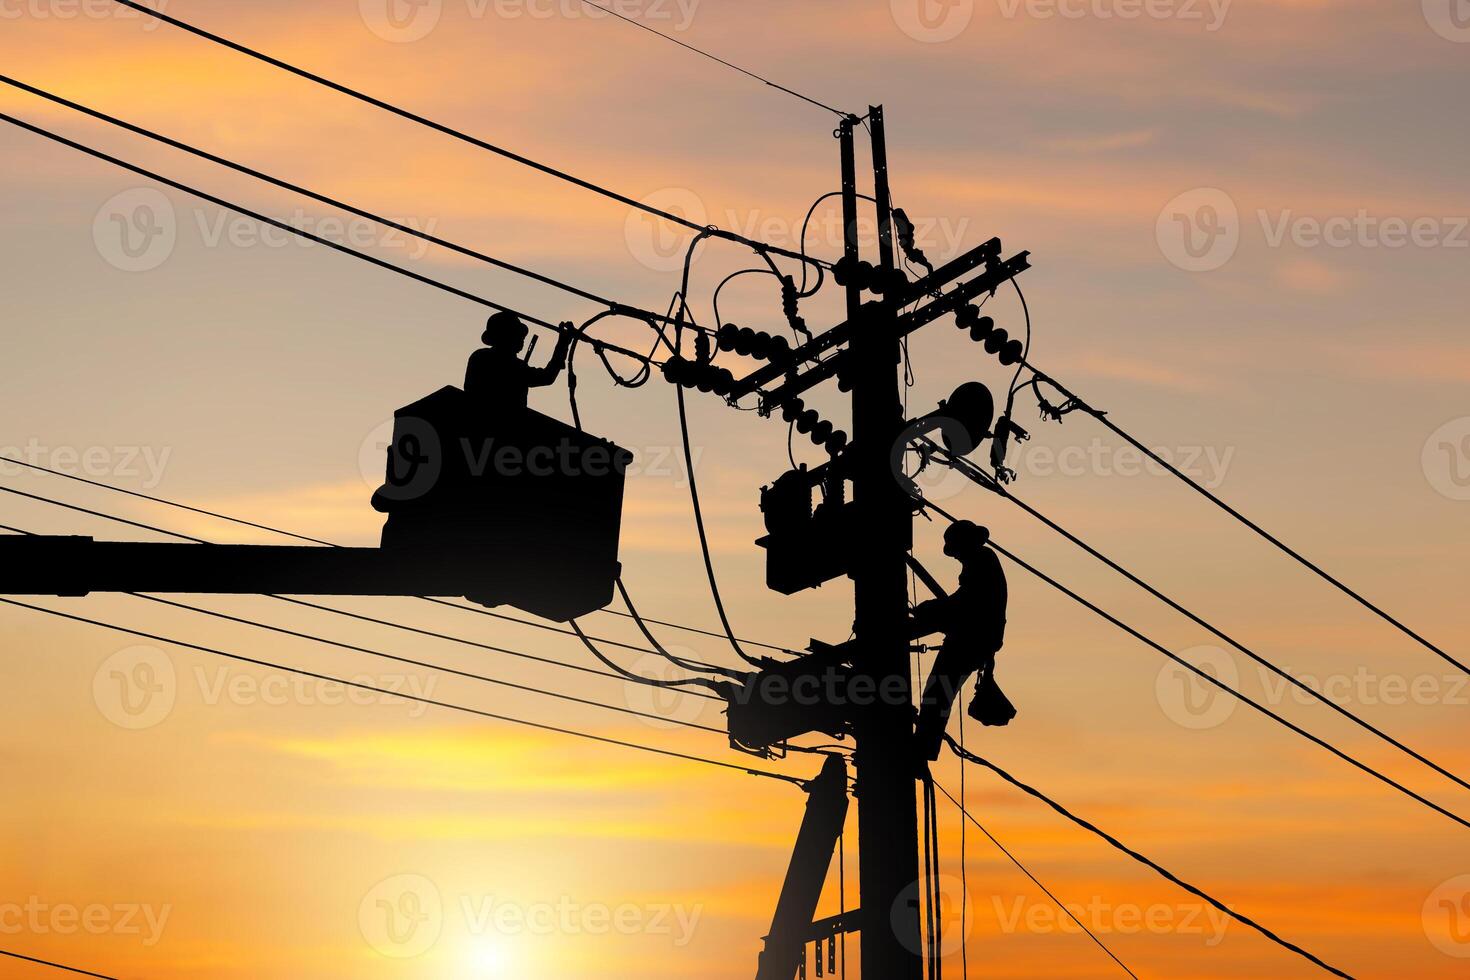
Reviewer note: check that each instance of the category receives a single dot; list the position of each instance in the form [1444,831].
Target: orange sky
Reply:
[251,826]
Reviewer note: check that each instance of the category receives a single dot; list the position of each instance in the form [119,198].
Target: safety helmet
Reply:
[964,536]
[504,329]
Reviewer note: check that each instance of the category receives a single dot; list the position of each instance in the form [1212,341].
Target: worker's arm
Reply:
[927,615]
[542,376]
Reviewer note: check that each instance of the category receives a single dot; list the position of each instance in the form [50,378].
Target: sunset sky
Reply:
[1250,244]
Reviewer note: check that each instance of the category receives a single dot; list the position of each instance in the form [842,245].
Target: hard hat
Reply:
[963,536]
[504,328]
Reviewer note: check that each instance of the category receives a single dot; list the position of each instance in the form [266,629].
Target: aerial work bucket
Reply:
[526,509]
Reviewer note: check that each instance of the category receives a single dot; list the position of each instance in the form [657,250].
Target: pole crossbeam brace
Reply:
[836,925]
[993,278]
[984,253]
[792,926]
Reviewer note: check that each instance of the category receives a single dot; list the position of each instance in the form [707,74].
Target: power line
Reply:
[468,675]
[705,54]
[966,468]
[1240,917]
[465,641]
[638,678]
[704,549]
[56,966]
[613,305]
[331,544]
[1216,682]
[607,740]
[187,537]
[309,236]
[1035,880]
[1252,525]
[457,134]
[692,665]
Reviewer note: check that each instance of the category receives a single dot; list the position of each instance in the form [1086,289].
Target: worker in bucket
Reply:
[973,622]
[498,377]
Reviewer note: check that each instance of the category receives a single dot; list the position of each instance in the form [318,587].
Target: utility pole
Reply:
[887,798]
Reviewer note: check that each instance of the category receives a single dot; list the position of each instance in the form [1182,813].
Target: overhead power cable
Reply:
[468,675]
[704,549]
[460,135]
[1112,841]
[639,678]
[1034,880]
[309,236]
[705,54]
[604,739]
[1252,525]
[331,544]
[612,305]
[40,498]
[56,966]
[439,668]
[973,473]
[1216,682]
[452,638]
[691,665]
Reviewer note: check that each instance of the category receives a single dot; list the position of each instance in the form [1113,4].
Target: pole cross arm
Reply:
[994,277]
[986,253]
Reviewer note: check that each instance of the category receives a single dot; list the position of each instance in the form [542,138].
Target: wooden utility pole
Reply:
[886,790]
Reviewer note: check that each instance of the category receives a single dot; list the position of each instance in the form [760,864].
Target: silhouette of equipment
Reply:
[786,699]
[485,499]
[793,924]
[528,508]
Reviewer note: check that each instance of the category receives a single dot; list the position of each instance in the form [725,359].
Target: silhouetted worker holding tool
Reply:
[973,621]
[498,378]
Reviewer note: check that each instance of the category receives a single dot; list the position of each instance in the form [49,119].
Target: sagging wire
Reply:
[715,301]
[690,665]
[801,245]
[709,567]
[639,678]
